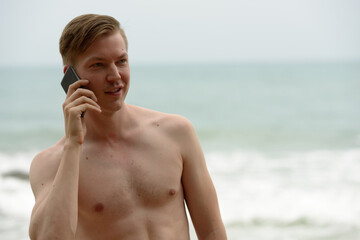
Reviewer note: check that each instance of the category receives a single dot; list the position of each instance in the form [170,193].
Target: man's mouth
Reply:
[113,91]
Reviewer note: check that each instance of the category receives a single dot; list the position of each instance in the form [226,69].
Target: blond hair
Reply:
[82,31]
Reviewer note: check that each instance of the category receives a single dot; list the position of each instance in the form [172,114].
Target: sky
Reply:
[190,31]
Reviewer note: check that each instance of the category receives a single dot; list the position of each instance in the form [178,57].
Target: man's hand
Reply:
[78,100]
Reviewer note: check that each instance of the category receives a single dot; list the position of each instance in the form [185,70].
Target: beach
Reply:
[281,140]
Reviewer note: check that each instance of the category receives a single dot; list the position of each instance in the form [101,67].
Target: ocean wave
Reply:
[312,191]
[16,165]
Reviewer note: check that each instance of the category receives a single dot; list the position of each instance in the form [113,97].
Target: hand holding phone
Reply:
[79,99]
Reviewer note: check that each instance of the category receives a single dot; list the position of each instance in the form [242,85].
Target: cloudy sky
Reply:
[187,31]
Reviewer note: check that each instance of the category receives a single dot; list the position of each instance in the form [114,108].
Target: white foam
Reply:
[16,161]
[318,187]
[16,200]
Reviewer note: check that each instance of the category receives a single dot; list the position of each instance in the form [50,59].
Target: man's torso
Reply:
[131,188]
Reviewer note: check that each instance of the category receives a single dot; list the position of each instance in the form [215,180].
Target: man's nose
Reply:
[113,73]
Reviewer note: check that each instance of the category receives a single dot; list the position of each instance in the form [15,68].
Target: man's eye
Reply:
[122,61]
[97,65]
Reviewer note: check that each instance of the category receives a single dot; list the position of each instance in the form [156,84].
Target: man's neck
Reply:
[109,126]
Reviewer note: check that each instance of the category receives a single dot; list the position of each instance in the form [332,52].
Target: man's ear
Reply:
[65,68]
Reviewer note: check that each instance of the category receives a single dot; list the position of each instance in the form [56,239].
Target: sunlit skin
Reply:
[121,172]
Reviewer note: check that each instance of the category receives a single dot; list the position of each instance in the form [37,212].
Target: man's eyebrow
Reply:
[94,58]
[123,55]
[97,58]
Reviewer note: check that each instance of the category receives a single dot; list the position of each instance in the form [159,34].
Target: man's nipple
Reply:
[99,207]
[172,192]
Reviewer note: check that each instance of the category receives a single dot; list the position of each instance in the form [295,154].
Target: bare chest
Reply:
[117,181]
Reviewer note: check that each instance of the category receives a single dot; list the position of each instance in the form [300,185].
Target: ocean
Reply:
[281,140]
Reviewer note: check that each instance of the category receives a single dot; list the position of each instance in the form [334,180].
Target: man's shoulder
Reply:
[51,152]
[47,158]
[175,129]
[166,121]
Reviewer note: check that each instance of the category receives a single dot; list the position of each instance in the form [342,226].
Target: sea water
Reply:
[282,141]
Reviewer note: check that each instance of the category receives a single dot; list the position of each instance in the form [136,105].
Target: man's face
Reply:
[105,64]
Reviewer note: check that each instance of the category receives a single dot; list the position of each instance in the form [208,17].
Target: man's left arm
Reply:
[200,194]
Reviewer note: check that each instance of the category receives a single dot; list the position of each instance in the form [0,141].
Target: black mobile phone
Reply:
[69,78]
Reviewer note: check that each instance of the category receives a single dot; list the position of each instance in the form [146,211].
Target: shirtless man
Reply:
[121,171]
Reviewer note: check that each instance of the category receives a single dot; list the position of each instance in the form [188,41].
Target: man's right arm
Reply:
[55,185]
[54,173]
